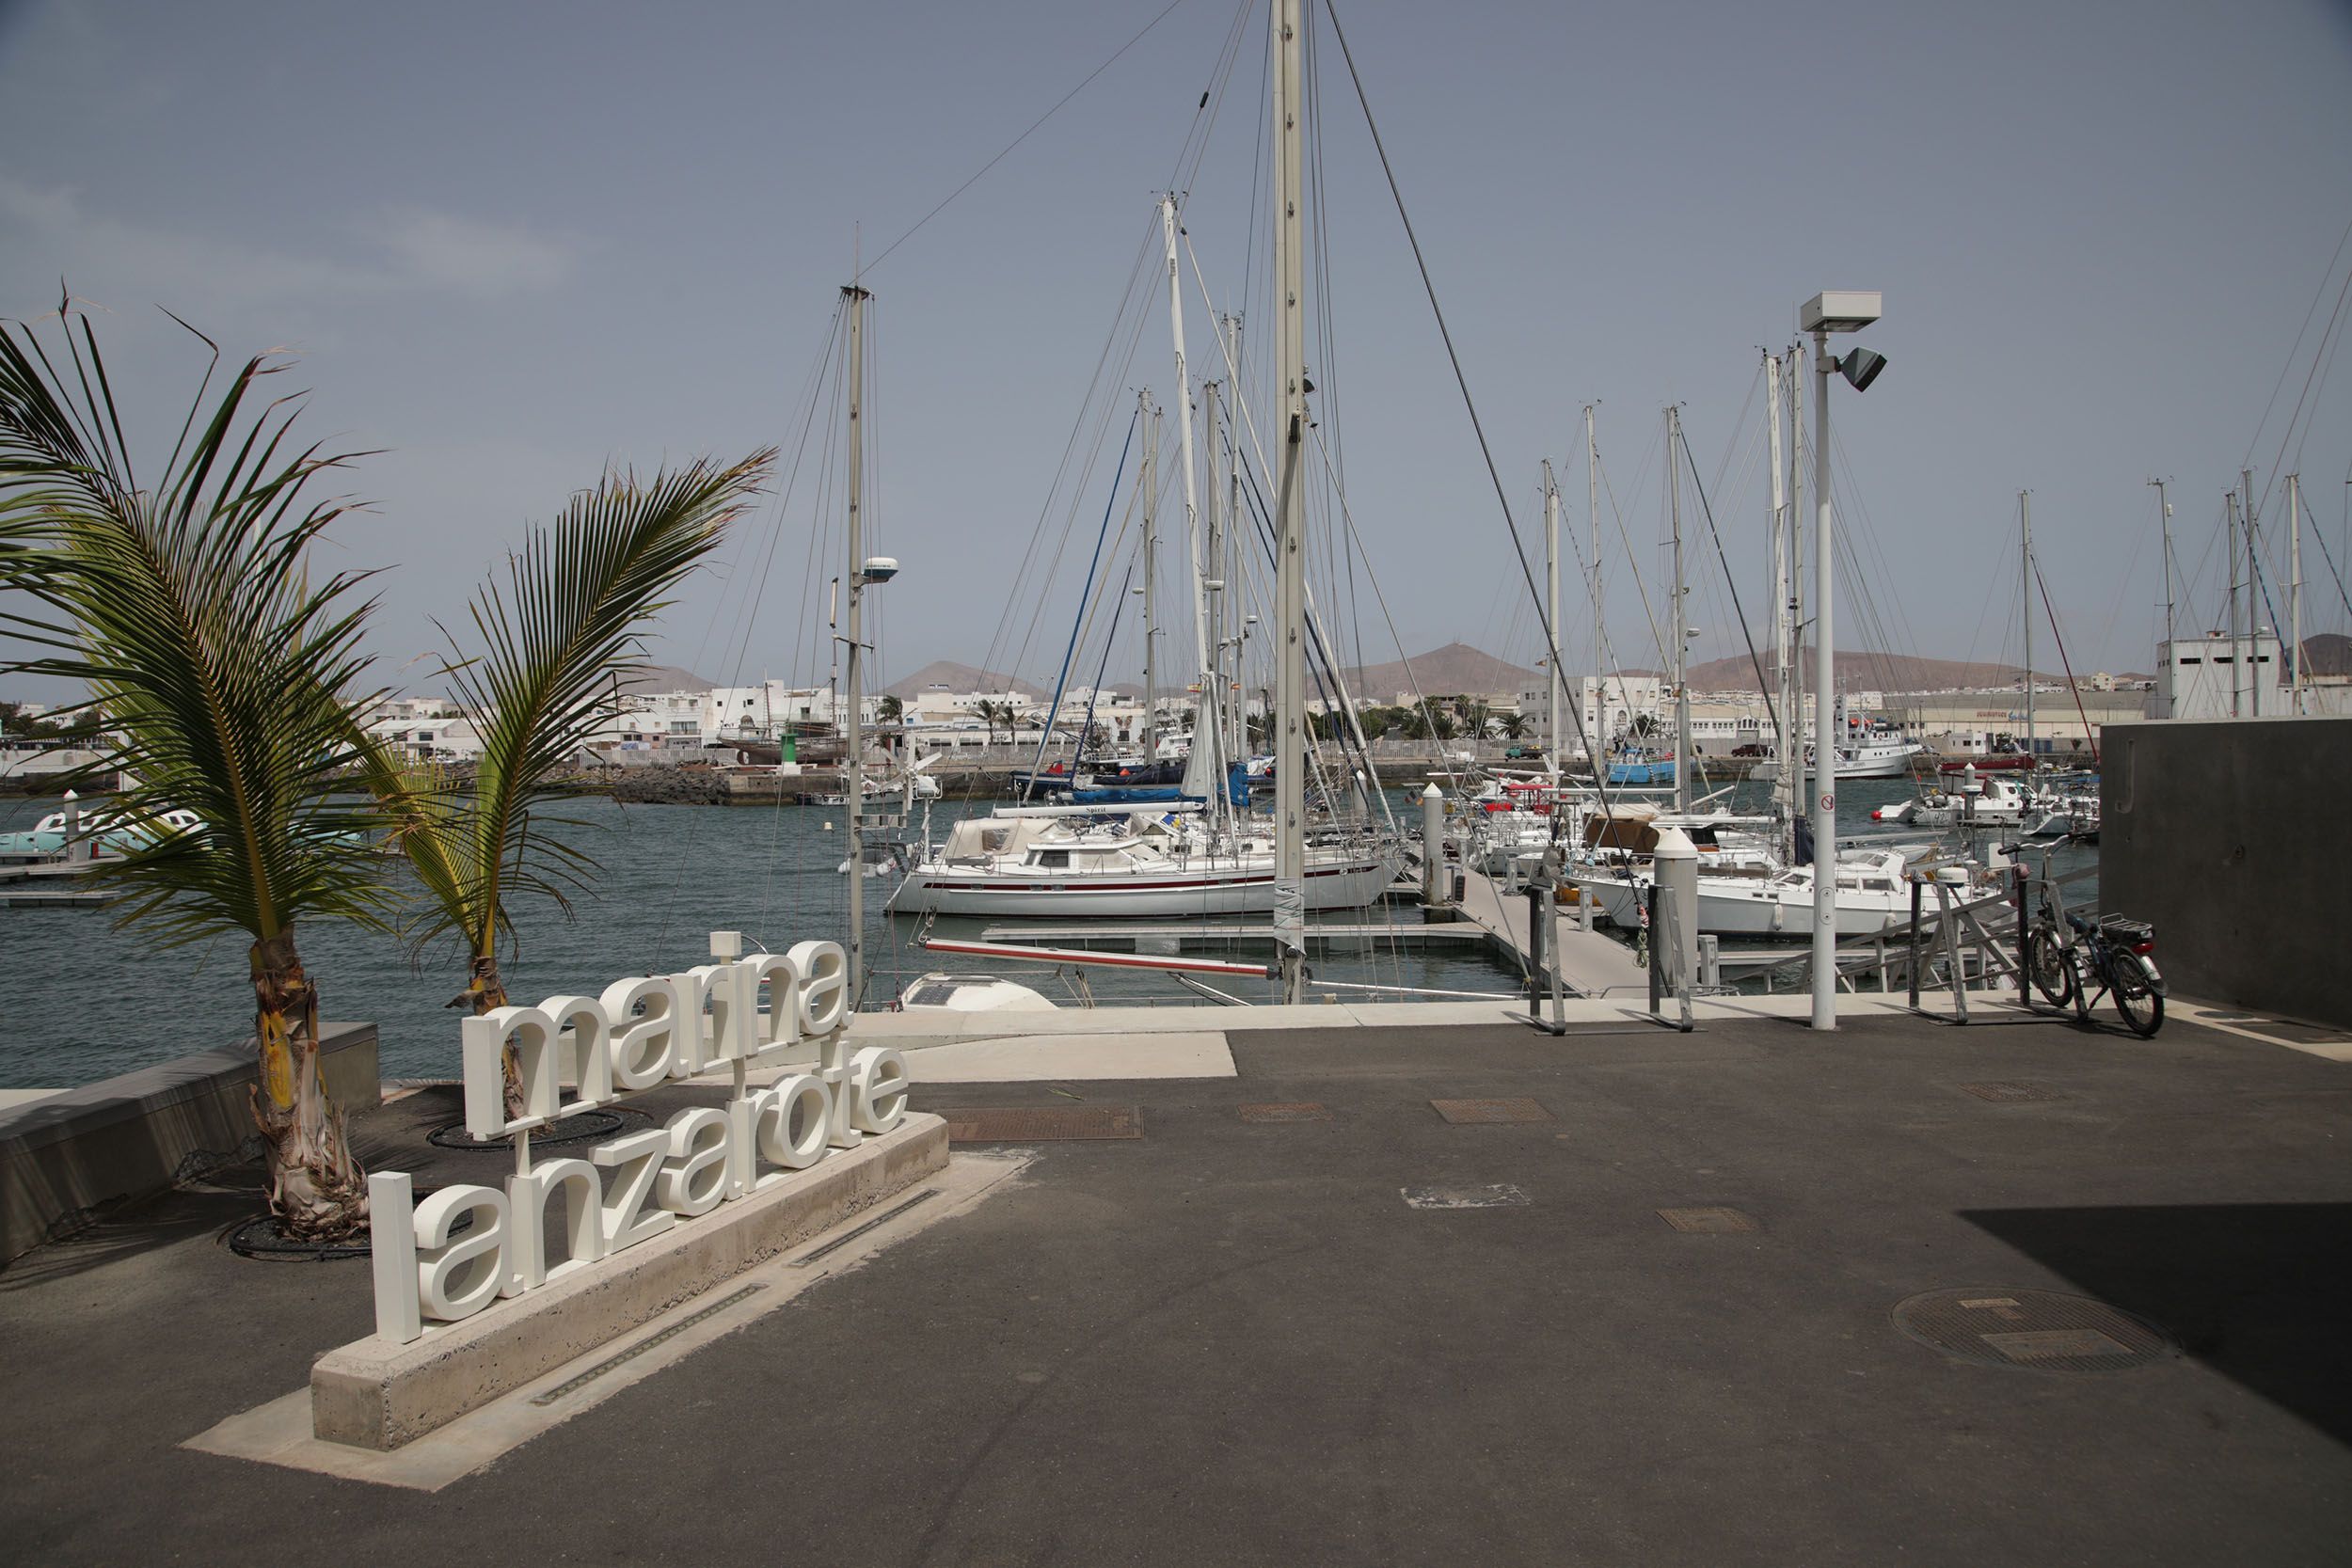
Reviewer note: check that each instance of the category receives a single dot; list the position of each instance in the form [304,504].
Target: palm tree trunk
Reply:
[487,990]
[317,1190]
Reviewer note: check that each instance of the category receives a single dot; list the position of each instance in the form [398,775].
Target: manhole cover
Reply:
[1041,1124]
[1304,1110]
[2011,1093]
[1709,1221]
[1487,1111]
[2040,1329]
[1500,1196]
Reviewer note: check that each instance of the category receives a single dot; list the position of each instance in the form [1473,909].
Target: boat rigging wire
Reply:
[1502,499]
[1024,135]
[1739,612]
[2285,369]
[1062,681]
[2064,663]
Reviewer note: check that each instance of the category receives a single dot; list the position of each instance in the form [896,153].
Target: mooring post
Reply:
[1432,846]
[1539,971]
[2017,895]
[1914,942]
[1657,952]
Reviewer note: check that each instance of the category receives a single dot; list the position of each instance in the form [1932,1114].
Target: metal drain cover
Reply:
[2043,1330]
[1487,1111]
[1500,1196]
[1303,1110]
[1709,1221]
[2014,1092]
[1041,1123]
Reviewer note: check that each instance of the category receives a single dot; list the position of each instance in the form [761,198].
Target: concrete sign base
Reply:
[376,1393]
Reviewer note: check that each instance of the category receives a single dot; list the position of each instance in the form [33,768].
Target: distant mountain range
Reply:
[665,677]
[958,677]
[1876,671]
[1456,667]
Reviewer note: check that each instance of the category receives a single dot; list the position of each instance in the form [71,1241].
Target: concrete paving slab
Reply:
[1128,1057]
[280,1431]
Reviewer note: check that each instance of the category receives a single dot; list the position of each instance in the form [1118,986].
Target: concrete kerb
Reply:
[373,1394]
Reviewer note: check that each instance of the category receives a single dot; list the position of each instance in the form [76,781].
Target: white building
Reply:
[2218,676]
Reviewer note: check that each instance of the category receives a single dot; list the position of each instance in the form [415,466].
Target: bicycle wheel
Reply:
[2135,998]
[2047,967]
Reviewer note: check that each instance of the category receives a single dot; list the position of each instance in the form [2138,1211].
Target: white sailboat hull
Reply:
[1745,906]
[1224,887]
[1869,762]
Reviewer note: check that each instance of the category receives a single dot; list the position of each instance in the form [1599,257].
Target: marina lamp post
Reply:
[1832,310]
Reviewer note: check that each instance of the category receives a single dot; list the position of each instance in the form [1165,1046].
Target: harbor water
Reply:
[85,1000]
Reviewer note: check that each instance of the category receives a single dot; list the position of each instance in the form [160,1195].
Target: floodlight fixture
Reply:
[1839,311]
[1860,367]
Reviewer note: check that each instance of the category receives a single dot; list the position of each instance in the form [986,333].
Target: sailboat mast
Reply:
[2253,597]
[1289,735]
[1237,738]
[1592,511]
[1783,627]
[1213,591]
[1151,417]
[1682,616]
[2025,606]
[2237,690]
[2164,520]
[853,771]
[2295,592]
[1203,728]
[1799,796]
[1552,570]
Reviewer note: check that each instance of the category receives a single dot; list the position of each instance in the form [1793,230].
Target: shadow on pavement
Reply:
[2255,1290]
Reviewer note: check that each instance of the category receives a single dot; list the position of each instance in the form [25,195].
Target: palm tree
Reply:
[890,711]
[186,605]
[555,637]
[1515,725]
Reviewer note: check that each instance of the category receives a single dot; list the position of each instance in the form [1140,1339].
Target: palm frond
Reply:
[187,611]
[552,637]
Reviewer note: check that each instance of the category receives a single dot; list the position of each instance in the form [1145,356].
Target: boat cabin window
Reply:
[1052,859]
[1877,884]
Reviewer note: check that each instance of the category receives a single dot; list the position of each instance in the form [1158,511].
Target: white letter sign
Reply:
[459,1249]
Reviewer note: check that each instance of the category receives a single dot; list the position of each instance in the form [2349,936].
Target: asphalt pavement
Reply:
[1358,1332]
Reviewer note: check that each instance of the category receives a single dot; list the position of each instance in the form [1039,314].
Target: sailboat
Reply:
[1198,855]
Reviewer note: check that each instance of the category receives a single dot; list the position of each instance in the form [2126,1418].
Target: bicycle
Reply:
[2113,951]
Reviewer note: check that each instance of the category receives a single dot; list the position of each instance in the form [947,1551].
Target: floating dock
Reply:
[1590,964]
[1182,938]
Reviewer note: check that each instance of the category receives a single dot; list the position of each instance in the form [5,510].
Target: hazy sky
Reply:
[514,243]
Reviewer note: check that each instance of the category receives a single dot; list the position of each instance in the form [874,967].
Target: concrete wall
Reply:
[2233,838]
[129,1136]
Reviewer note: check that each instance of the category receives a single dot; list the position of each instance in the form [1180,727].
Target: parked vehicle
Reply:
[2067,954]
